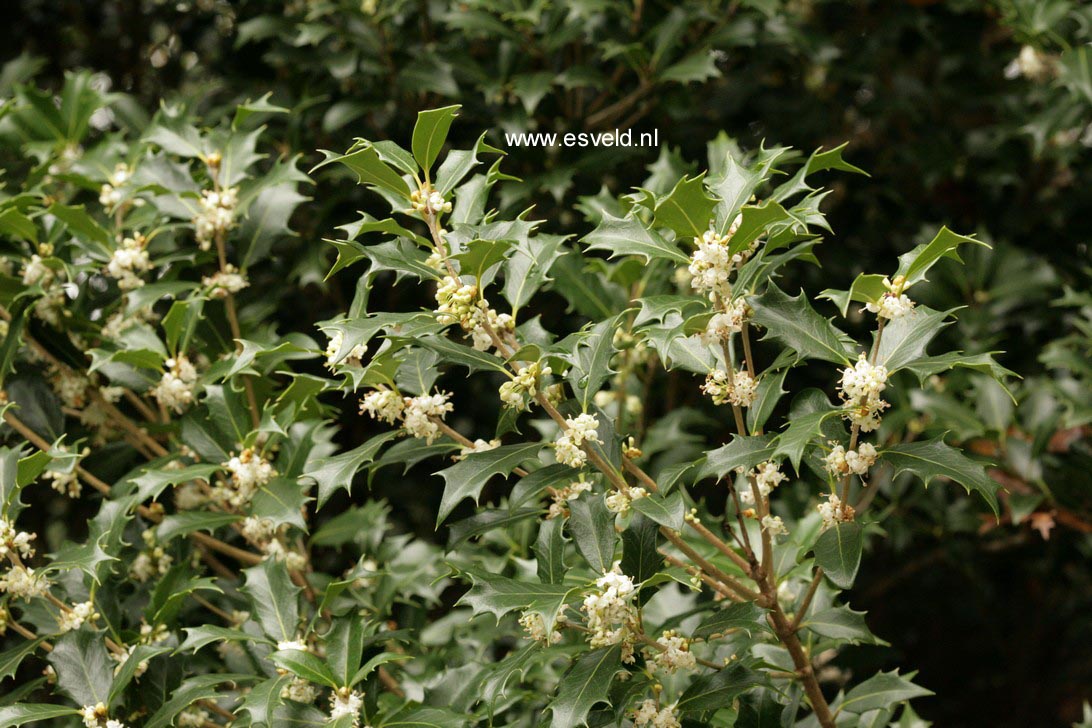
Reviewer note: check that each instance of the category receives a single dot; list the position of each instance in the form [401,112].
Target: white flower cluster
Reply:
[525,382]
[578,430]
[477,446]
[300,691]
[767,477]
[36,272]
[730,321]
[193,717]
[21,582]
[612,617]
[215,215]
[64,483]
[249,473]
[417,417]
[711,264]
[861,386]
[175,388]
[891,306]
[97,716]
[894,303]
[458,302]
[857,462]
[344,702]
[834,511]
[1032,65]
[736,388]
[429,201]
[128,261]
[352,358]
[650,714]
[562,496]
[14,541]
[73,618]
[382,404]
[152,561]
[225,282]
[774,526]
[110,193]
[677,656]
[620,501]
[535,627]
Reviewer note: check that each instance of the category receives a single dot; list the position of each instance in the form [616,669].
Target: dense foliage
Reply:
[605,459]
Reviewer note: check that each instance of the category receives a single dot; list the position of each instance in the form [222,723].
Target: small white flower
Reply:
[295,644]
[535,628]
[14,541]
[676,657]
[76,616]
[175,389]
[620,501]
[249,473]
[215,216]
[737,388]
[477,446]
[774,526]
[383,404]
[612,617]
[36,272]
[578,430]
[225,282]
[128,261]
[562,496]
[22,582]
[648,714]
[861,386]
[525,382]
[722,325]
[834,511]
[346,702]
[417,417]
[300,691]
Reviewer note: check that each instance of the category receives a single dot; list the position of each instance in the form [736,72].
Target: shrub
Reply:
[634,570]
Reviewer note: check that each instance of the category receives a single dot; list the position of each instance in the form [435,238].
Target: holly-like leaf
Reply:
[305,665]
[742,452]
[810,409]
[333,473]
[905,339]
[718,690]
[592,526]
[369,170]
[933,459]
[586,684]
[85,671]
[881,691]
[629,236]
[794,323]
[666,510]
[430,133]
[12,716]
[500,595]
[591,361]
[841,623]
[687,209]
[754,221]
[466,478]
[866,288]
[273,598]
[915,264]
[550,551]
[745,616]
[838,552]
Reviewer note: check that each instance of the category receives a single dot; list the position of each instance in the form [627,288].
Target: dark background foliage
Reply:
[994,617]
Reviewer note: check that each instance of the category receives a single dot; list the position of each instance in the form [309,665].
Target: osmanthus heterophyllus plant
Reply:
[150,408]
[667,614]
